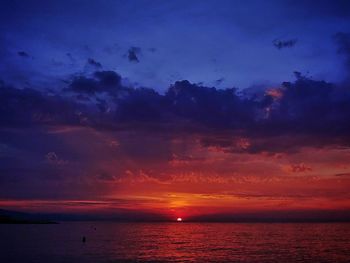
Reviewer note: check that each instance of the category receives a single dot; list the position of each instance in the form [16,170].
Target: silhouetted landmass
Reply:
[12,217]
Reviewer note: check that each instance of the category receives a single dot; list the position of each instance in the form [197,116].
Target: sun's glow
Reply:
[179,219]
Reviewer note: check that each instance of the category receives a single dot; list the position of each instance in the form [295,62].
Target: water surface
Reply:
[175,242]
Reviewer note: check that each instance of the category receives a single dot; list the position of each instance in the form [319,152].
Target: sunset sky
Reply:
[175,108]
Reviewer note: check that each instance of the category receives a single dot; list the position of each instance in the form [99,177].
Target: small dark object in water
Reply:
[84,239]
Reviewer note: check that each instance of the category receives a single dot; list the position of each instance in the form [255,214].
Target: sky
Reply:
[166,109]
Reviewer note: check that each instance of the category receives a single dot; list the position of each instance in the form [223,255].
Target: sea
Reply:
[175,242]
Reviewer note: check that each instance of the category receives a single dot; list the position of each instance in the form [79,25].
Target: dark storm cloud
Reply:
[83,84]
[29,106]
[312,106]
[109,78]
[141,104]
[210,106]
[101,81]
[323,8]
[306,112]
[303,112]
[284,43]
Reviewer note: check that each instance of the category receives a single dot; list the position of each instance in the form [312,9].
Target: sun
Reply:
[179,219]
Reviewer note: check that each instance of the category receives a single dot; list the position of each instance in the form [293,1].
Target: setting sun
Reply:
[179,219]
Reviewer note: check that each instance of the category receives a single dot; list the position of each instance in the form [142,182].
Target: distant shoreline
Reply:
[26,222]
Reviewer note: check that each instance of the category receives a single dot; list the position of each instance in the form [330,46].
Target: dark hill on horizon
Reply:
[14,217]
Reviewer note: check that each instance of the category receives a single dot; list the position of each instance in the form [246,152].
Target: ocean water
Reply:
[175,242]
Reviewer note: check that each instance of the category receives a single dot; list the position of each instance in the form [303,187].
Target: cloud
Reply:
[109,78]
[102,105]
[72,60]
[82,84]
[133,53]
[279,44]
[343,41]
[53,158]
[304,102]
[342,174]
[219,81]
[177,160]
[298,168]
[305,112]
[101,81]
[141,104]
[94,63]
[23,54]
[105,176]
[29,107]
[210,106]
[323,9]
